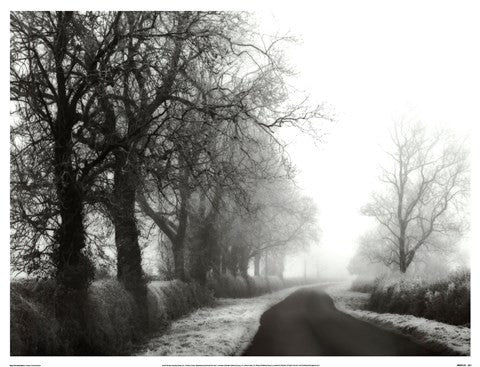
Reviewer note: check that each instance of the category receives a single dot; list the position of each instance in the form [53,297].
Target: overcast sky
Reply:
[373,62]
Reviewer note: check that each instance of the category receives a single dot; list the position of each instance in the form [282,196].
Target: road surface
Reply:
[307,324]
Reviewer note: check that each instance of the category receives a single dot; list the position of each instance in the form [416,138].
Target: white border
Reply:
[252,5]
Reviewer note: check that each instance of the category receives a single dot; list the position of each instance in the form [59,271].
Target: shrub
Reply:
[363,285]
[446,300]
[33,328]
[112,321]
[168,300]
[227,285]
[274,283]
[258,285]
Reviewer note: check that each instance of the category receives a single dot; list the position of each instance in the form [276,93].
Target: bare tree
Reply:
[425,185]
[53,73]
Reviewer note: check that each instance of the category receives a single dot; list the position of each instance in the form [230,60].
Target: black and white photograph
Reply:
[227,180]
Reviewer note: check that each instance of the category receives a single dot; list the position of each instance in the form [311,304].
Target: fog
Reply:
[371,64]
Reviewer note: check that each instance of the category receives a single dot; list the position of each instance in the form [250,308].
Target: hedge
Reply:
[111,327]
[446,300]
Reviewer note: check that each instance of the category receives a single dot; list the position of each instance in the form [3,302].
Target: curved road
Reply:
[307,324]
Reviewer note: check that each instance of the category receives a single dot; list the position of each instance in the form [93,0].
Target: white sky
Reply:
[373,61]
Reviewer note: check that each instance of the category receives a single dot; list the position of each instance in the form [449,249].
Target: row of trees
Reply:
[128,120]
[421,211]
[226,235]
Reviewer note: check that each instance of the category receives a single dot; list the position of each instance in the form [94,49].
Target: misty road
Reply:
[307,323]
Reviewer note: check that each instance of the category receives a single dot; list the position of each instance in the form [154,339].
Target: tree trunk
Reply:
[207,252]
[74,270]
[402,256]
[179,260]
[223,267]
[267,265]
[256,264]
[217,262]
[199,268]
[179,242]
[305,269]
[281,266]
[129,258]
[243,260]
[176,235]
[232,261]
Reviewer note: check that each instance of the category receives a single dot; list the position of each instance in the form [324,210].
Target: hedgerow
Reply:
[229,286]
[446,300]
[111,318]
[112,326]
[363,285]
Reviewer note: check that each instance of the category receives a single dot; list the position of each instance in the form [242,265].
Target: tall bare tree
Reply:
[425,185]
[53,73]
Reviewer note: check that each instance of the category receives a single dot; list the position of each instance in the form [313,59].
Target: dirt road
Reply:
[307,323]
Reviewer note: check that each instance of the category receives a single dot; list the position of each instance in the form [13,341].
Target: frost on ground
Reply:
[439,336]
[229,326]
[223,330]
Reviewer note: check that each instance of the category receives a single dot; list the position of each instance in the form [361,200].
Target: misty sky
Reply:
[373,62]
